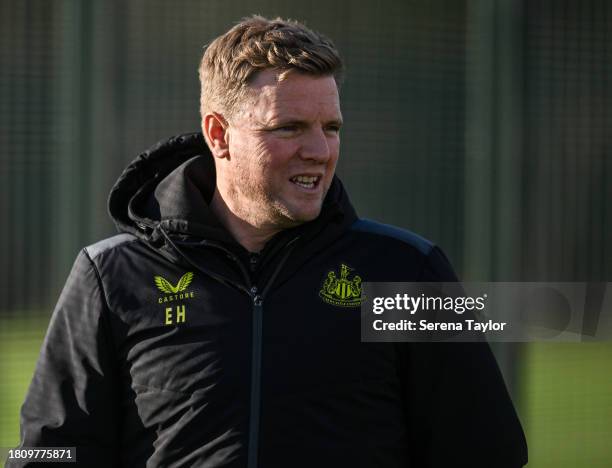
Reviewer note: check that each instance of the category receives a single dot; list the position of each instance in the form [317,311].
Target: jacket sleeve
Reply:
[459,411]
[72,399]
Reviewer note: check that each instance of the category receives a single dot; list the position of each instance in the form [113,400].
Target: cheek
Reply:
[249,155]
[262,152]
[276,155]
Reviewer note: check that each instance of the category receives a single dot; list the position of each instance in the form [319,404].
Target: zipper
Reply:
[255,403]
[255,410]
[257,298]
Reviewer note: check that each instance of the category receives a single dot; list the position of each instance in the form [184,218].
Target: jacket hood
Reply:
[169,188]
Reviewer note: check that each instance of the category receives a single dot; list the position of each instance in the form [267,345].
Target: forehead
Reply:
[297,95]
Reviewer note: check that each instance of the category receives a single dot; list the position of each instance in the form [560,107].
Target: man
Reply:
[222,326]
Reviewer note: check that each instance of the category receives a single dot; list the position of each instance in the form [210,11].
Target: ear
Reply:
[215,130]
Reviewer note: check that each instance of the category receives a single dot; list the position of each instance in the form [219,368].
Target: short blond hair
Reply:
[256,43]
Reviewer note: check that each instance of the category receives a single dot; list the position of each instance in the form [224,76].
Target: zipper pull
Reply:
[257,299]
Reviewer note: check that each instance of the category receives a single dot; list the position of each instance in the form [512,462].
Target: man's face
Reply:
[283,148]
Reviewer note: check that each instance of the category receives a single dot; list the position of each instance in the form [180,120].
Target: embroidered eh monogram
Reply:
[174,293]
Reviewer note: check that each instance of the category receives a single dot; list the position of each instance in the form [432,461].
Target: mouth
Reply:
[306,181]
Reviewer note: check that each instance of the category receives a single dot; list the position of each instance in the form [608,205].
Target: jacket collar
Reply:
[170,186]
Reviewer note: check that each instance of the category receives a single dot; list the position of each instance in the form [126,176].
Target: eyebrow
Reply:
[275,121]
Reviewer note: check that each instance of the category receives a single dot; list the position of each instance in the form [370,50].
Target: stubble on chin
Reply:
[252,203]
[249,202]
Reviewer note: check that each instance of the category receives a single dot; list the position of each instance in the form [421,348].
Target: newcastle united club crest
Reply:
[343,291]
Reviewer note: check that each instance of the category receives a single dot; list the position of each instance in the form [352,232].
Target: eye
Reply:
[333,128]
[286,128]
[286,131]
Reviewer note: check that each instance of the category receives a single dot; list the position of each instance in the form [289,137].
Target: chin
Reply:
[296,217]
[305,217]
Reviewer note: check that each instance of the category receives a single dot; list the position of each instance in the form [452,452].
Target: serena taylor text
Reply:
[424,325]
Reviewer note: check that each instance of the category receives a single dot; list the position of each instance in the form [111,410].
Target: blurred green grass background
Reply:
[20,341]
[567,411]
[565,402]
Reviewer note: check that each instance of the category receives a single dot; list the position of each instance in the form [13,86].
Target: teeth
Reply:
[305,179]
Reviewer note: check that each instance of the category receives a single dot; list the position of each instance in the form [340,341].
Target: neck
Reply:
[251,237]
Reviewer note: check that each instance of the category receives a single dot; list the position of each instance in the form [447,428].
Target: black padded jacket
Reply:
[172,346]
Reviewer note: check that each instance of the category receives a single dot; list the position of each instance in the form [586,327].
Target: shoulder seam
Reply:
[402,235]
[95,250]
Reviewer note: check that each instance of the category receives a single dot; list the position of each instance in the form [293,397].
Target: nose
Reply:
[315,146]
